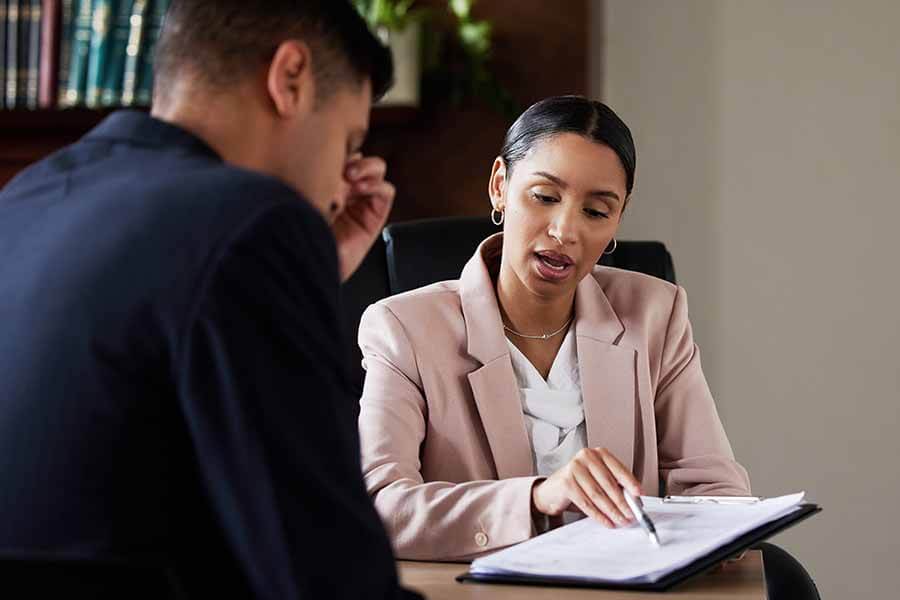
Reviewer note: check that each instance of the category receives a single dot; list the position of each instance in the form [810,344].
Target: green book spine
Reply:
[133,51]
[66,35]
[144,95]
[78,58]
[33,64]
[12,52]
[99,53]
[111,90]
[3,7]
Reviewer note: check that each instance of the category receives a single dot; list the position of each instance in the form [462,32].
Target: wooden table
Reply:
[743,580]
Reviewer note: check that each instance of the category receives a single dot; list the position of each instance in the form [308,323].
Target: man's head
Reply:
[279,86]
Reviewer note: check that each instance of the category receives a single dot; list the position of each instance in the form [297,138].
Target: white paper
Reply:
[586,550]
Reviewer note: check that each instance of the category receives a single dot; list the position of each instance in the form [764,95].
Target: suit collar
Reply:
[484,326]
[136,127]
[594,315]
[607,370]
[493,385]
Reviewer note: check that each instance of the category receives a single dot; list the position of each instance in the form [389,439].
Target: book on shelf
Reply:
[49,67]
[33,63]
[80,49]
[136,41]
[157,15]
[99,49]
[66,35]
[67,53]
[12,53]
[24,25]
[3,52]
[112,75]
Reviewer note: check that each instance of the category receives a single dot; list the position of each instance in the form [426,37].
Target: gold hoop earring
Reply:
[498,221]
[615,245]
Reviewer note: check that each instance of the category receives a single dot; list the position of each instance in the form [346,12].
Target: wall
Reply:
[768,141]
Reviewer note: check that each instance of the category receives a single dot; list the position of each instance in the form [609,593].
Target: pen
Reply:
[635,505]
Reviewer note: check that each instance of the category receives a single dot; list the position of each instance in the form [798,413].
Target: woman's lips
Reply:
[553,266]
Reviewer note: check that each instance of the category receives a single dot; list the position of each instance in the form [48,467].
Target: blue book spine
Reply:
[134,50]
[112,78]
[78,58]
[99,53]
[157,13]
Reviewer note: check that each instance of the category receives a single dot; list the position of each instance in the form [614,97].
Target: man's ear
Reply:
[290,80]
[497,183]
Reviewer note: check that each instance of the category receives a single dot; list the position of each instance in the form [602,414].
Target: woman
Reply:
[538,383]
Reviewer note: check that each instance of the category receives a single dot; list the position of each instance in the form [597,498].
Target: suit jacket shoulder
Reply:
[645,304]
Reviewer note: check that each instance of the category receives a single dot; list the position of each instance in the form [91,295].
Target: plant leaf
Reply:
[461,8]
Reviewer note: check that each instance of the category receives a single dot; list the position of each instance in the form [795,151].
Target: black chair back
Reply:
[412,254]
[367,285]
[431,250]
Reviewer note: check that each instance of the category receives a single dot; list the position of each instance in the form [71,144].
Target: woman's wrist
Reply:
[535,510]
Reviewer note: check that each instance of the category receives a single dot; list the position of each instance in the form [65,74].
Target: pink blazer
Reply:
[445,452]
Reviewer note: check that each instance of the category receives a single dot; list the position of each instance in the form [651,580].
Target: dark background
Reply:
[439,156]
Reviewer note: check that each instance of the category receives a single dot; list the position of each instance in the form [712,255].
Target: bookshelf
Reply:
[27,136]
[438,156]
[79,121]
[50,121]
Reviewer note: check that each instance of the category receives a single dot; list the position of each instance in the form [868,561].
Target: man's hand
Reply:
[367,204]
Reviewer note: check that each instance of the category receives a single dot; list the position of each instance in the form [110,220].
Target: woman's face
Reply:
[563,204]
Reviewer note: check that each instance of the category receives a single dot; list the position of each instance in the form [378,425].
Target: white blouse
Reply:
[554,413]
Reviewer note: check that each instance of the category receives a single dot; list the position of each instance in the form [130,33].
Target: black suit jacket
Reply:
[172,388]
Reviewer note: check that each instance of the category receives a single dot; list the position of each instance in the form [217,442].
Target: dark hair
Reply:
[570,114]
[220,41]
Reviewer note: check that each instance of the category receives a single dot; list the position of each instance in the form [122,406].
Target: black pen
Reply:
[637,508]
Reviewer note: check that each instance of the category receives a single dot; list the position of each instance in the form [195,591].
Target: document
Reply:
[587,551]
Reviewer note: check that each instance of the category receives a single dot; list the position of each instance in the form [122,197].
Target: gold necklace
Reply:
[543,336]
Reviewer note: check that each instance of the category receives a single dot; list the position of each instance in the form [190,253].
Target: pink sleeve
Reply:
[695,457]
[434,520]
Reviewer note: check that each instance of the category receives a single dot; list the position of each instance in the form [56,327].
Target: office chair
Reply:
[416,253]
[430,250]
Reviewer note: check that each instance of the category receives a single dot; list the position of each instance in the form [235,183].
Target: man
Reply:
[171,385]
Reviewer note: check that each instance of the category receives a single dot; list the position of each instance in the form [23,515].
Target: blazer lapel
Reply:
[494,384]
[497,397]
[607,371]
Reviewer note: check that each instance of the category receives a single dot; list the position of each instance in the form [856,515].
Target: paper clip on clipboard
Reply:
[712,499]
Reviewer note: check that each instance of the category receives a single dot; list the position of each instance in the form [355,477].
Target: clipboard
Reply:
[700,565]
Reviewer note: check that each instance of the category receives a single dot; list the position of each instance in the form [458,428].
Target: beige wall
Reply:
[768,137]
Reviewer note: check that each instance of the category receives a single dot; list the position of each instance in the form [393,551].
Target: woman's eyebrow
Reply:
[552,178]
[595,193]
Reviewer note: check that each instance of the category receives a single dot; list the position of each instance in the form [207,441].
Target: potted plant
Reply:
[444,65]
[400,27]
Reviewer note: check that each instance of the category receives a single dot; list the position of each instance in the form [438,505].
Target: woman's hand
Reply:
[367,204]
[592,482]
